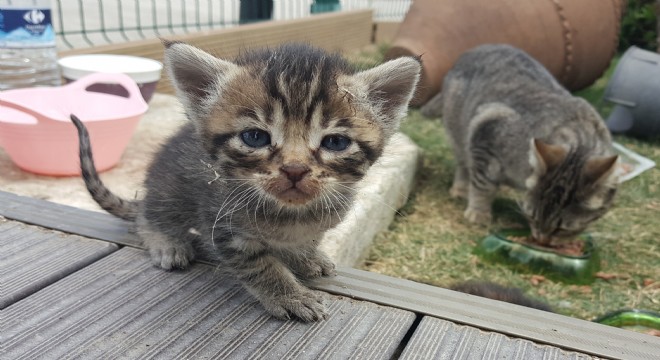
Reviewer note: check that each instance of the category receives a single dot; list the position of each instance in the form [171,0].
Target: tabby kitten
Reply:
[510,122]
[277,140]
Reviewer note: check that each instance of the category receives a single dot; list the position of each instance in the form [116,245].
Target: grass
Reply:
[430,242]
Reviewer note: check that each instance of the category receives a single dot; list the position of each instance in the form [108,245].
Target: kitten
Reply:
[277,140]
[510,122]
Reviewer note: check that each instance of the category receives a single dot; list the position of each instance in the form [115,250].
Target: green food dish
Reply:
[566,268]
[632,319]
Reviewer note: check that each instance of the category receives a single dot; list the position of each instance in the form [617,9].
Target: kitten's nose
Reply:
[295,172]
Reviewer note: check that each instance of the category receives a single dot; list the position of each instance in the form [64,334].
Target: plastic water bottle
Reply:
[28,56]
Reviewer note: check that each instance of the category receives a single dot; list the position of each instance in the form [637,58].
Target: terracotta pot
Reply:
[574,39]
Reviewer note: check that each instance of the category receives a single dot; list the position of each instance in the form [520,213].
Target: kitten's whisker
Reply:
[342,200]
[244,195]
[336,211]
[218,216]
[376,198]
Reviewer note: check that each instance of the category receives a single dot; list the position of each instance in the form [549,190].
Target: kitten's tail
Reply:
[125,209]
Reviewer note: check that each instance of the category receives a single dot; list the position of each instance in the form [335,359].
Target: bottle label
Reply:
[21,28]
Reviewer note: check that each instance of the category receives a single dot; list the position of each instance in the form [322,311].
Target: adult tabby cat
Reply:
[510,122]
[276,141]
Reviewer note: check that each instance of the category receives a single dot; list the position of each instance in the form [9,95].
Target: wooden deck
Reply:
[76,284]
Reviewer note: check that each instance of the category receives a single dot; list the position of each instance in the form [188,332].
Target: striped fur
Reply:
[260,211]
[511,123]
[124,209]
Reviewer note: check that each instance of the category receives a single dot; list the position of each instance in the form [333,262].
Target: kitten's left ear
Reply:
[389,87]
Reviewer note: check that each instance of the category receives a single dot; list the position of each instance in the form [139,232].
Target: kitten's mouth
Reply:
[299,193]
[294,195]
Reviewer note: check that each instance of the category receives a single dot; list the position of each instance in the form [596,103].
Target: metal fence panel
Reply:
[85,23]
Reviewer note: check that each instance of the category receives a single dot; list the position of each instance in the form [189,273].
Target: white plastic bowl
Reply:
[145,72]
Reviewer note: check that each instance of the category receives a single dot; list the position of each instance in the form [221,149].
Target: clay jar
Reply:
[574,39]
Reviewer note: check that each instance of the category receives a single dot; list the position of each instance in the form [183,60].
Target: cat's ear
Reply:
[602,170]
[601,174]
[543,157]
[388,89]
[195,74]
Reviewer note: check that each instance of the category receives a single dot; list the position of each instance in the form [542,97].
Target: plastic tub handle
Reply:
[112,78]
[36,115]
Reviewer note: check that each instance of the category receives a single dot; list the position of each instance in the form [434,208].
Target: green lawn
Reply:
[429,241]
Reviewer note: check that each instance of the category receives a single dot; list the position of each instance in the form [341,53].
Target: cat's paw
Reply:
[305,305]
[459,191]
[171,256]
[478,216]
[313,267]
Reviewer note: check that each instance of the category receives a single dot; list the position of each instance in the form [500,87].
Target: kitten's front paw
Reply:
[171,256]
[314,267]
[478,216]
[305,305]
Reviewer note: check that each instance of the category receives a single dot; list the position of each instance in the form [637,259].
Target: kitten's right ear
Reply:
[544,157]
[195,73]
[388,89]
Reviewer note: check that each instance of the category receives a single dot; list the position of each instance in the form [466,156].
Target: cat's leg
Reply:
[310,263]
[484,174]
[278,290]
[460,186]
[166,251]
[480,200]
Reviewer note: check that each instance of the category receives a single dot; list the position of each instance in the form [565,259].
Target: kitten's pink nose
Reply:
[295,172]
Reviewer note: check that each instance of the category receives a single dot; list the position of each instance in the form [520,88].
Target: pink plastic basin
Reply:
[36,132]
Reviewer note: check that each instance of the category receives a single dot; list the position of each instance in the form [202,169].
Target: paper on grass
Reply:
[638,163]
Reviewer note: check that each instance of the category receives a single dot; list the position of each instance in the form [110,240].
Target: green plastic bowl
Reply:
[632,319]
[570,269]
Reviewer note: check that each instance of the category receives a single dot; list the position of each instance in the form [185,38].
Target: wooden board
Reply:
[32,258]
[122,307]
[439,339]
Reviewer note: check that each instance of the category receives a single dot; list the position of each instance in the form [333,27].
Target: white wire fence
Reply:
[84,23]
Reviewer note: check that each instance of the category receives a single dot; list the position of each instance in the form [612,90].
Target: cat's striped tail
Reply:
[125,209]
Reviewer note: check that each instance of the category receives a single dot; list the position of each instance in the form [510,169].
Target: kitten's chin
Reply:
[294,196]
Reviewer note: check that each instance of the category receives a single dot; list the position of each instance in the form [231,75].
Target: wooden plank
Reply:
[122,307]
[342,31]
[512,320]
[508,319]
[439,339]
[65,218]
[32,258]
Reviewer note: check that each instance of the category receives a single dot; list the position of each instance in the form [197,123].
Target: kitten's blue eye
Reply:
[335,142]
[255,138]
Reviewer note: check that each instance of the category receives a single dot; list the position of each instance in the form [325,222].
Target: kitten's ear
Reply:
[389,88]
[543,158]
[195,73]
[602,170]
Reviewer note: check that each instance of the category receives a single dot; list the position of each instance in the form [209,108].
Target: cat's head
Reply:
[568,189]
[293,121]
